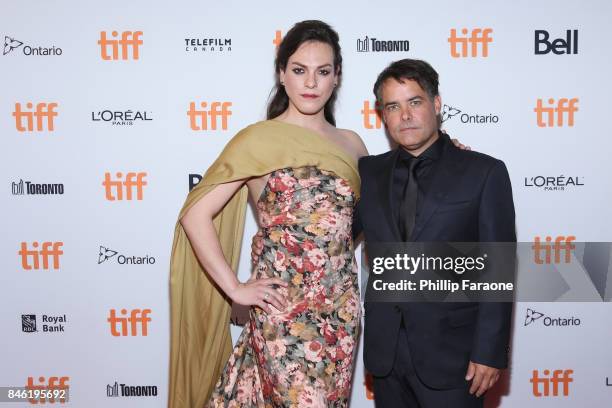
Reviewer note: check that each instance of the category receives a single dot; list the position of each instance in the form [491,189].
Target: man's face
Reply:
[410,115]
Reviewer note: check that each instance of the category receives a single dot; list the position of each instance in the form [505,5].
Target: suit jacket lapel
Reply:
[386,194]
[445,172]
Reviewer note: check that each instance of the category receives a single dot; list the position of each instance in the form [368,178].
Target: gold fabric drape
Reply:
[200,337]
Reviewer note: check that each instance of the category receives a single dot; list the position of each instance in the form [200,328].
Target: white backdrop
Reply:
[161,83]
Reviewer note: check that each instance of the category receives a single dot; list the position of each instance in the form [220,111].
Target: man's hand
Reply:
[257,247]
[483,377]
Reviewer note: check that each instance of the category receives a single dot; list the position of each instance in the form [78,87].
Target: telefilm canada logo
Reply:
[533,316]
[121,118]
[48,323]
[30,188]
[14,46]
[201,44]
[107,254]
[554,183]
[449,112]
[372,44]
[123,390]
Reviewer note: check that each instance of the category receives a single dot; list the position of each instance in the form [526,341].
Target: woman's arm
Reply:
[199,227]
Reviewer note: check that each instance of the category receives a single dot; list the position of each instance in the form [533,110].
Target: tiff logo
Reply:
[557,247]
[564,108]
[30,258]
[43,111]
[114,189]
[128,39]
[278,37]
[563,377]
[119,325]
[369,113]
[47,388]
[198,119]
[478,39]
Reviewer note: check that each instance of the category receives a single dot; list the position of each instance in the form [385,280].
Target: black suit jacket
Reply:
[469,200]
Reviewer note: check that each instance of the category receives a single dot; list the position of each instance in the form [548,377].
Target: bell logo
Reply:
[560,46]
[128,39]
[541,385]
[564,107]
[368,113]
[119,325]
[114,190]
[278,37]
[52,390]
[43,111]
[557,248]
[198,119]
[30,258]
[478,36]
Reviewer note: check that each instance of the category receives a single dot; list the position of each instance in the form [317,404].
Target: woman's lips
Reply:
[310,96]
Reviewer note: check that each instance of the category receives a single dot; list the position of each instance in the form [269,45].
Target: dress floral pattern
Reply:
[301,356]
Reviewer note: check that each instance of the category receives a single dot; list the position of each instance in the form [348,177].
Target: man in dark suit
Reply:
[431,354]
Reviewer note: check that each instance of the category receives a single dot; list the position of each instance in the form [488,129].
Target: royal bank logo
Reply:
[200,45]
[49,323]
[450,112]
[533,316]
[11,44]
[29,188]
[554,183]
[28,323]
[123,390]
[371,44]
[121,118]
[105,254]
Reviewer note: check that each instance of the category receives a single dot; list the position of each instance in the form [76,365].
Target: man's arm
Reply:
[496,219]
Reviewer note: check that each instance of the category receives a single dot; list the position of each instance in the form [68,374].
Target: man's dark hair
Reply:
[409,69]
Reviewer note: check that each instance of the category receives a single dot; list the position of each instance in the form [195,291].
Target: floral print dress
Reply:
[301,356]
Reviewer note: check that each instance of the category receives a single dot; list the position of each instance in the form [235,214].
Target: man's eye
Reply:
[298,70]
[391,108]
[415,102]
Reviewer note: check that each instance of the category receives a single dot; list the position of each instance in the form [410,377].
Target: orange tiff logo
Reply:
[30,258]
[198,119]
[43,111]
[278,37]
[137,317]
[129,39]
[50,390]
[542,384]
[564,108]
[478,39]
[561,244]
[114,189]
[369,114]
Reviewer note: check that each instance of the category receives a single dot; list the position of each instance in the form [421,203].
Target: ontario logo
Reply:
[533,316]
[105,254]
[11,44]
[449,112]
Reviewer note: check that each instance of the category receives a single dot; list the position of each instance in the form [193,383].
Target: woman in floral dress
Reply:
[298,347]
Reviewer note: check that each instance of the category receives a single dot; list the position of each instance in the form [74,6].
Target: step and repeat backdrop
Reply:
[110,112]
